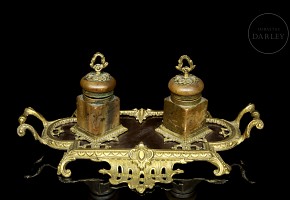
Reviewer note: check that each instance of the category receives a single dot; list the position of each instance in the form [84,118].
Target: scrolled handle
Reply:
[255,122]
[21,129]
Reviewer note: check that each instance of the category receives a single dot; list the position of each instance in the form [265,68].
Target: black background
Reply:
[48,50]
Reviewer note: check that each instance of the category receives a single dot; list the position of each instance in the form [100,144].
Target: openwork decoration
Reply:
[100,132]
[141,114]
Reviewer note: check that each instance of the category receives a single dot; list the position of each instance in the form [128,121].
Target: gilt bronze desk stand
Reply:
[142,146]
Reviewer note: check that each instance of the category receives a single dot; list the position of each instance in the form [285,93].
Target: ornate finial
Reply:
[98,67]
[185,69]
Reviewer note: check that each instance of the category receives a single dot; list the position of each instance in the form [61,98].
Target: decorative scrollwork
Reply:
[256,121]
[141,167]
[141,114]
[21,129]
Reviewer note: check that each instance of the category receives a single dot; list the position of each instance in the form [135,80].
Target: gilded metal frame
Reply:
[141,167]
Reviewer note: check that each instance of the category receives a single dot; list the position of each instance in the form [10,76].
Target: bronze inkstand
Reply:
[142,146]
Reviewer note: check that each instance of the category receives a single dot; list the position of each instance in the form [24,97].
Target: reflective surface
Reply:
[197,183]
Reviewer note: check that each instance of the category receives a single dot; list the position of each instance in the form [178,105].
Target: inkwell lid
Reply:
[185,87]
[98,84]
